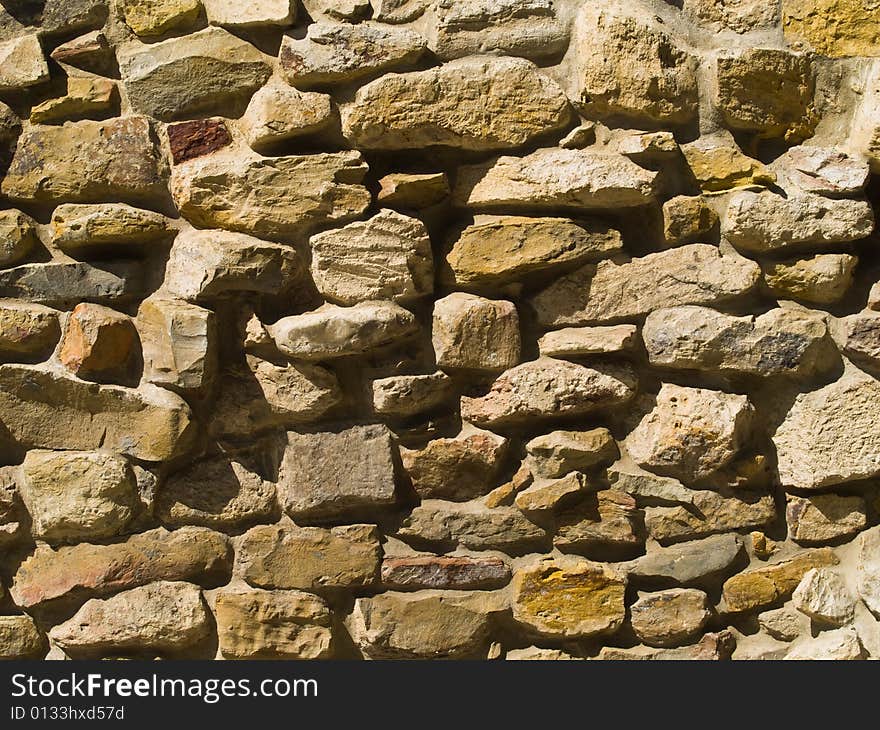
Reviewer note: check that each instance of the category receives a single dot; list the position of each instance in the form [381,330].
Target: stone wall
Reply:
[439,328]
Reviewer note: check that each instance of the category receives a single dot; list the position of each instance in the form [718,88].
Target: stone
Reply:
[188,140]
[574,342]
[824,518]
[838,645]
[43,408]
[821,279]
[874,297]
[868,569]
[341,53]
[559,452]
[717,165]
[823,171]
[568,598]
[814,444]
[222,492]
[255,14]
[471,525]
[23,63]
[833,28]
[473,333]
[863,338]
[553,179]
[785,623]
[424,625]
[314,483]
[83,229]
[694,274]
[402,396]
[62,17]
[331,332]
[767,222]
[647,148]
[712,647]
[278,113]
[534,653]
[99,344]
[477,104]
[201,73]
[767,91]
[159,617]
[398,11]
[254,624]
[626,64]
[691,433]
[504,494]
[69,282]
[18,236]
[695,562]
[687,219]
[775,582]
[86,162]
[551,494]
[823,596]
[271,197]
[778,342]
[442,572]
[526,28]
[411,191]
[20,638]
[498,250]
[179,343]
[205,264]
[77,572]
[309,558]
[87,98]
[457,468]
[77,495]
[386,257]
[671,617]
[27,331]
[603,525]
[648,487]
[739,16]
[154,17]
[89,52]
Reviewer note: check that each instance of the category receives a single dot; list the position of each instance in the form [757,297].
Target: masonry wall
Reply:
[506,329]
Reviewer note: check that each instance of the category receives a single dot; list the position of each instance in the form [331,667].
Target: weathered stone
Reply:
[99,344]
[687,219]
[83,571]
[253,624]
[534,653]
[835,28]
[188,140]
[86,162]
[84,229]
[337,53]
[823,171]
[560,452]
[820,279]
[550,179]
[768,91]
[271,197]
[769,584]
[87,98]
[573,342]
[823,518]
[478,104]
[762,222]
[155,17]
[10,128]
[410,191]
[740,16]
[309,558]
[569,598]
[66,282]
[863,337]
[42,408]
[90,52]
[254,14]
[581,136]
[207,264]
[402,396]
[386,257]
[62,17]
[473,333]
[330,331]
[432,571]
[27,331]
[838,645]
[314,483]
[76,495]
[815,446]
[670,617]
[472,525]
[548,388]
[778,342]
[551,494]
[785,623]
[20,638]
[693,274]
[279,113]
[626,64]
[602,525]
[159,617]
[823,596]
[196,74]
[712,647]
[498,250]
[717,164]
[458,468]
[874,297]
[396,11]
[504,494]
[179,342]
[690,563]
[868,574]
[22,63]
[646,486]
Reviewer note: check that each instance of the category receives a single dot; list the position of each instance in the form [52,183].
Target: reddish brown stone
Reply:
[430,571]
[193,139]
[99,343]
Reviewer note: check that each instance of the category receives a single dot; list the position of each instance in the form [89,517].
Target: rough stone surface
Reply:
[256,14]
[560,452]
[670,617]
[823,596]
[151,18]
[99,343]
[27,331]
[869,569]
[824,518]
[401,396]
[23,63]
[821,279]
[573,342]
[690,562]
[189,140]
[839,645]
[278,113]
[86,228]
[687,219]
[453,573]
[835,28]
[863,338]
[473,333]
[87,98]
[20,638]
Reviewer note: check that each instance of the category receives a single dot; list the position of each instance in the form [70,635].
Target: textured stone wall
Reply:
[439,328]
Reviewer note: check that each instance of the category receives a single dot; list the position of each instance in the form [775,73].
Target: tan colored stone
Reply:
[822,170]
[550,494]
[534,653]
[155,17]
[824,518]
[670,617]
[868,569]
[785,623]
[86,98]
[740,16]
[573,342]
[504,494]
[646,486]
[99,343]
[474,333]
[823,596]
[604,525]
[20,638]
[560,452]
[442,572]
[22,63]
[402,396]
[712,647]
[18,236]
[863,337]
[717,164]
[687,219]
[89,52]
[392,11]
[834,28]
[838,645]
[253,14]
[86,228]
[820,279]
[27,331]
[410,191]
[279,113]
[345,9]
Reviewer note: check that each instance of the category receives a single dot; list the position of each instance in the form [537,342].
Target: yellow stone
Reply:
[719,165]
[835,28]
[155,17]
